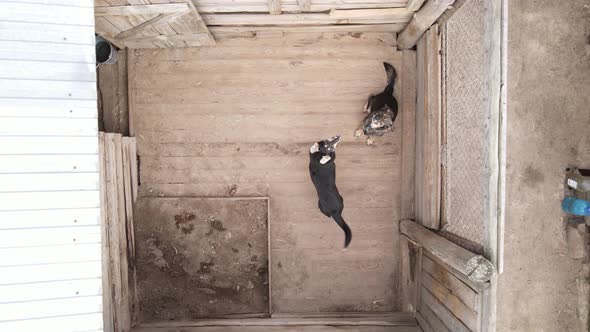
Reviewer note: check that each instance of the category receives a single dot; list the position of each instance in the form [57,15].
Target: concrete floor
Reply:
[548,128]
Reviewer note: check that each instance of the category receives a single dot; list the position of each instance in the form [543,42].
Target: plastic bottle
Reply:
[576,206]
[579,180]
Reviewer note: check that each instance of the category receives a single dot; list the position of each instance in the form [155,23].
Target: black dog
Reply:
[382,109]
[323,175]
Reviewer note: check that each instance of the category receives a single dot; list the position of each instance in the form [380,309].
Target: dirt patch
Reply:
[201,258]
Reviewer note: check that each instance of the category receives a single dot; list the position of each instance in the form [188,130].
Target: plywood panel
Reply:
[201,258]
[243,126]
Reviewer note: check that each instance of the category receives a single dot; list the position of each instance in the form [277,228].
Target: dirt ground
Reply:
[201,258]
[548,128]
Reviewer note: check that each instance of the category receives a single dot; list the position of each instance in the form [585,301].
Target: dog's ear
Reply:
[325,159]
[314,148]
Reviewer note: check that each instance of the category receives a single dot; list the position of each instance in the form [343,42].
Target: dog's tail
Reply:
[345,228]
[391,76]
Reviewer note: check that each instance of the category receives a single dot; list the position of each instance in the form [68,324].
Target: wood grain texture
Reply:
[429,322]
[450,301]
[462,260]
[317,328]
[242,127]
[408,105]
[428,130]
[467,295]
[423,19]
[411,267]
[440,311]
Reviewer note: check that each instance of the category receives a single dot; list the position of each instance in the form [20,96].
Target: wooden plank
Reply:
[162,28]
[131,81]
[292,321]
[414,5]
[141,9]
[195,23]
[274,7]
[432,167]
[475,267]
[237,31]
[128,179]
[423,19]
[369,13]
[48,108]
[440,311]
[299,19]
[429,321]
[411,267]
[107,301]
[420,144]
[450,301]
[293,6]
[451,282]
[120,235]
[311,328]
[136,30]
[408,107]
[202,39]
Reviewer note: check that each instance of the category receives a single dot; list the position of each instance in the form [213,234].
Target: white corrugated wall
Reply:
[50,263]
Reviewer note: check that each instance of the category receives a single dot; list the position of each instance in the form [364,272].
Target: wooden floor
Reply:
[238,119]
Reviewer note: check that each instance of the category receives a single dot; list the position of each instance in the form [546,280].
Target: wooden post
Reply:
[475,267]
[423,19]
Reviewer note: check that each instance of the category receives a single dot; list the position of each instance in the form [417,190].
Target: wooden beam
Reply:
[370,13]
[274,7]
[141,10]
[240,31]
[299,19]
[293,7]
[138,29]
[397,319]
[475,267]
[408,103]
[423,19]
[414,5]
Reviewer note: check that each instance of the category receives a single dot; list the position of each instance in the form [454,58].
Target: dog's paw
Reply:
[358,132]
[370,141]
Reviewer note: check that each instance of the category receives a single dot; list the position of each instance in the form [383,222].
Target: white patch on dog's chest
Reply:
[325,159]
[314,148]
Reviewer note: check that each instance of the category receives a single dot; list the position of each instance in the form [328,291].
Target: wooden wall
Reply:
[238,119]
